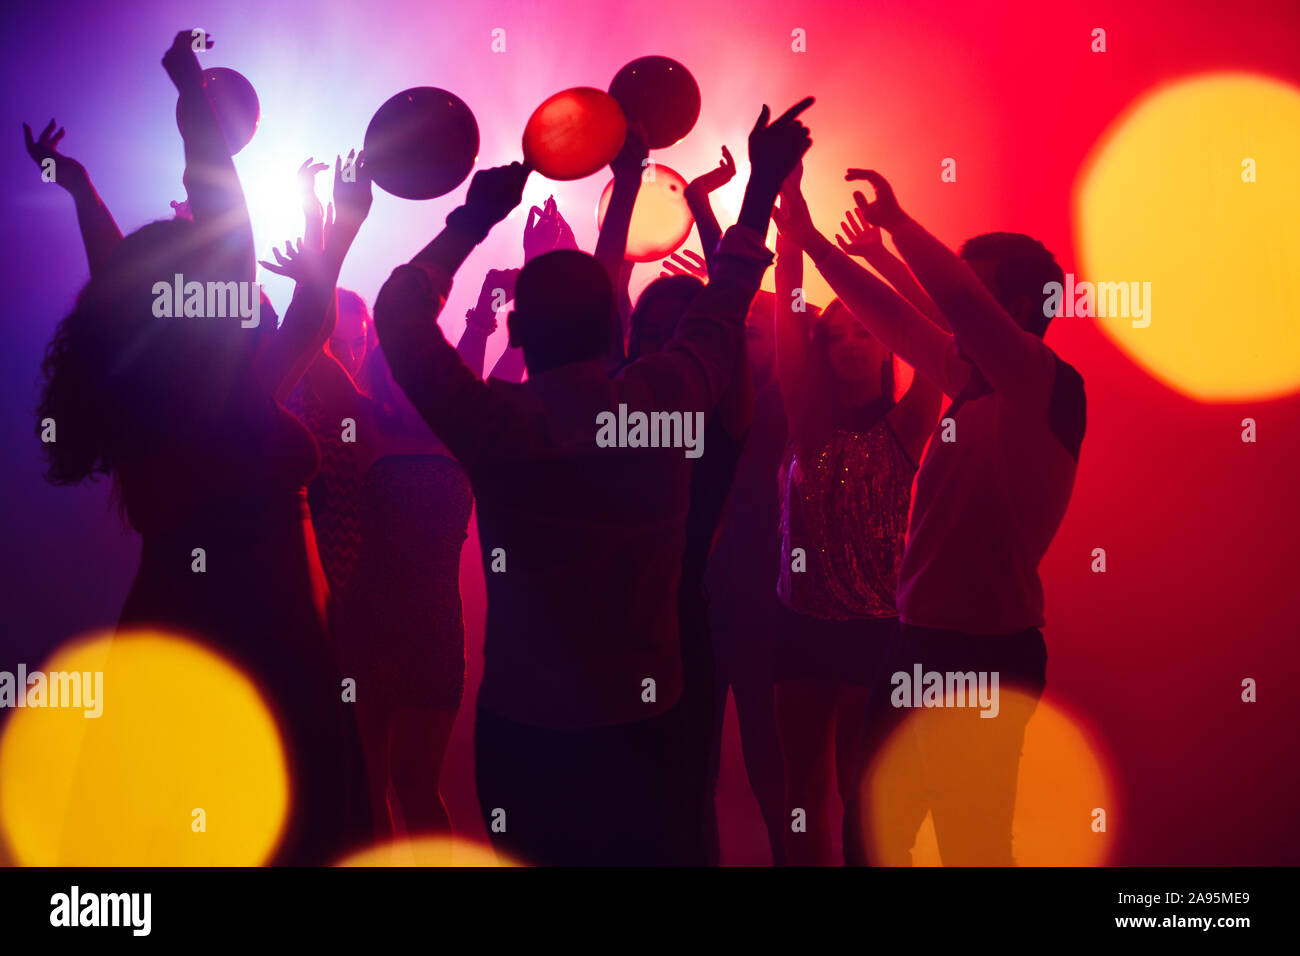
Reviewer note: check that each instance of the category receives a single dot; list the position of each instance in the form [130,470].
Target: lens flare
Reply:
[427,851]
[1064,801]
[182,767]
[1197,192]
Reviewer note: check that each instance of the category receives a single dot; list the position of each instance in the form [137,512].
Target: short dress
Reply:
[235,485]
[403,630]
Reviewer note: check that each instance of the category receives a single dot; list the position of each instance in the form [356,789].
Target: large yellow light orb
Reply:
[1065,804]
[427,851]
[1166,198]
[183,766]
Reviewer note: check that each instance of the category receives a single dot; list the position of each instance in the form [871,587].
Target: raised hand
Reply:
[180,62]
[303,264]
[493,193]
[714,178]
[631,159]
[353,195]
[67,172]
[858,237]
[497,289]
[546,230]
[775,148]
[685,263]
[884,212]
[312,210]
[182,210]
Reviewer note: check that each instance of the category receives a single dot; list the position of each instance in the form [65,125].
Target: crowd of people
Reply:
[837,530]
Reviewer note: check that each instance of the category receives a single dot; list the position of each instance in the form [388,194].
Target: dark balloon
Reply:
[574,133]
[421,143]
[234,101]
[661,95]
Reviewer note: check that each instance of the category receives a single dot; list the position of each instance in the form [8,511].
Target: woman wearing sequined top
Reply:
[845,488]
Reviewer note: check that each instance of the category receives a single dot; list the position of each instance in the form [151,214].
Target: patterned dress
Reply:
[404,633]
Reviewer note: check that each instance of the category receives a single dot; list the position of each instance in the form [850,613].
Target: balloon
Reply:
[421,143]
[574,133]
[661,95]
[661,219]
[234,101]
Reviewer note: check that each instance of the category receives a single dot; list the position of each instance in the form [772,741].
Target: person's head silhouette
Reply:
[122,373]
[658,309]
[564,310]
[1015,268]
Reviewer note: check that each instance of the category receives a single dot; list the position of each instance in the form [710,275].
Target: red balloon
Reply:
[574,133]
[234,101]
[661,219]
[421,143]
[661,95]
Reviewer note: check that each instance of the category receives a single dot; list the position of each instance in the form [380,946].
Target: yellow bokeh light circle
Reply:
[1167,198]
[1065,811]
[427,851]
[183,766]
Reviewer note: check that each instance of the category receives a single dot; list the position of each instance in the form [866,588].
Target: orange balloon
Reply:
[574,133]
[661,219]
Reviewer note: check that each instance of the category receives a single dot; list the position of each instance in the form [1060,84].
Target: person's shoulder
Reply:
[1067,410]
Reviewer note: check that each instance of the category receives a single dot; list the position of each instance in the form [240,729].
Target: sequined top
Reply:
[846,506]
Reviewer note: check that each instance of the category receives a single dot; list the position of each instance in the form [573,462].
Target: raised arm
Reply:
[99,233]
[861,238]
[791,326]
[895,322]
[1008,356]
[611,245]
[697,198]
[481,321]
[463,412]
[215,196]
[309,320]
[699,362]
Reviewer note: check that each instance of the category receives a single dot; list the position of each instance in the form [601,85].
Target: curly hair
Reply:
[115,376]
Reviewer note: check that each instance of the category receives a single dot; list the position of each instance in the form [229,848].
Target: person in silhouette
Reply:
[582,544]
[184,414]
[989,498]
[652,324]
[845,484]
[397,506]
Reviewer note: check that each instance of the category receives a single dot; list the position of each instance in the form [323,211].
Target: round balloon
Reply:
[661,95]
[661,219]
[421,143]
[234,101]
[574,133]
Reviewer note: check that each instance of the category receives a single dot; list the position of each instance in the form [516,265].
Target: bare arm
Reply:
[892,320]
[697,198]
[99,232]
[309,320]
[481,321]
[698,363]
[215,195]
[611,245]
[861,238]
[1009,357]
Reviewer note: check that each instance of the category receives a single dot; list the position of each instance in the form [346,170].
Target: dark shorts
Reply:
[850,651]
